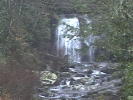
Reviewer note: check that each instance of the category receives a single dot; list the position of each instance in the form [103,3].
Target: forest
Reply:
[66,49]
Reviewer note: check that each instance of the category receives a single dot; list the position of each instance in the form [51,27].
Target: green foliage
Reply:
[128,81]
[82,6]
[22,27]
[116,25]
[130,97]
[22,24]
[113,19]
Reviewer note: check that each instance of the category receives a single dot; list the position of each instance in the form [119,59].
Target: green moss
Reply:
[48,77]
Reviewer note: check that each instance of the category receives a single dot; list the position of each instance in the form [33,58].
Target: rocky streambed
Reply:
[96,81]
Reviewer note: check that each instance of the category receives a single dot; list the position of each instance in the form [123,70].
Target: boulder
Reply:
[47,77]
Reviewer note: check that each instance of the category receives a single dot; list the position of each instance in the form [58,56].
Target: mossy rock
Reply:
[47,77]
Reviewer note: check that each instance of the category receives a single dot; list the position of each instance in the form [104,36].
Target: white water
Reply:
[68,41]
[89,41]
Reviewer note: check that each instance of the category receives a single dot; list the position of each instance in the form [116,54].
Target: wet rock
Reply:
[39,90]
[78,87]
[88,80]
[99,81]
[109,78]
[79,75]
[108,70]
[65,74]
[72,70]
[118,83]
[89,72]
[98,74]
[103,64]
[45,94]
[72,81]
[106,78]
[84,82]
[65,69]
[71,66]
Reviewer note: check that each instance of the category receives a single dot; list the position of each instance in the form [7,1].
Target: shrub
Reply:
[128,81]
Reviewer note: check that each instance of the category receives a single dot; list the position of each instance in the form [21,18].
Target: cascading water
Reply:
[79,81]
[89,41]
[68,41]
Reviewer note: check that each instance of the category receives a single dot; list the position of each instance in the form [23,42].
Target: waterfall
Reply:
[68,42]
[89,41]
[78,81]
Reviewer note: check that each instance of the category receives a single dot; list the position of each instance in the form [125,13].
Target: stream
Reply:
[81,80]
